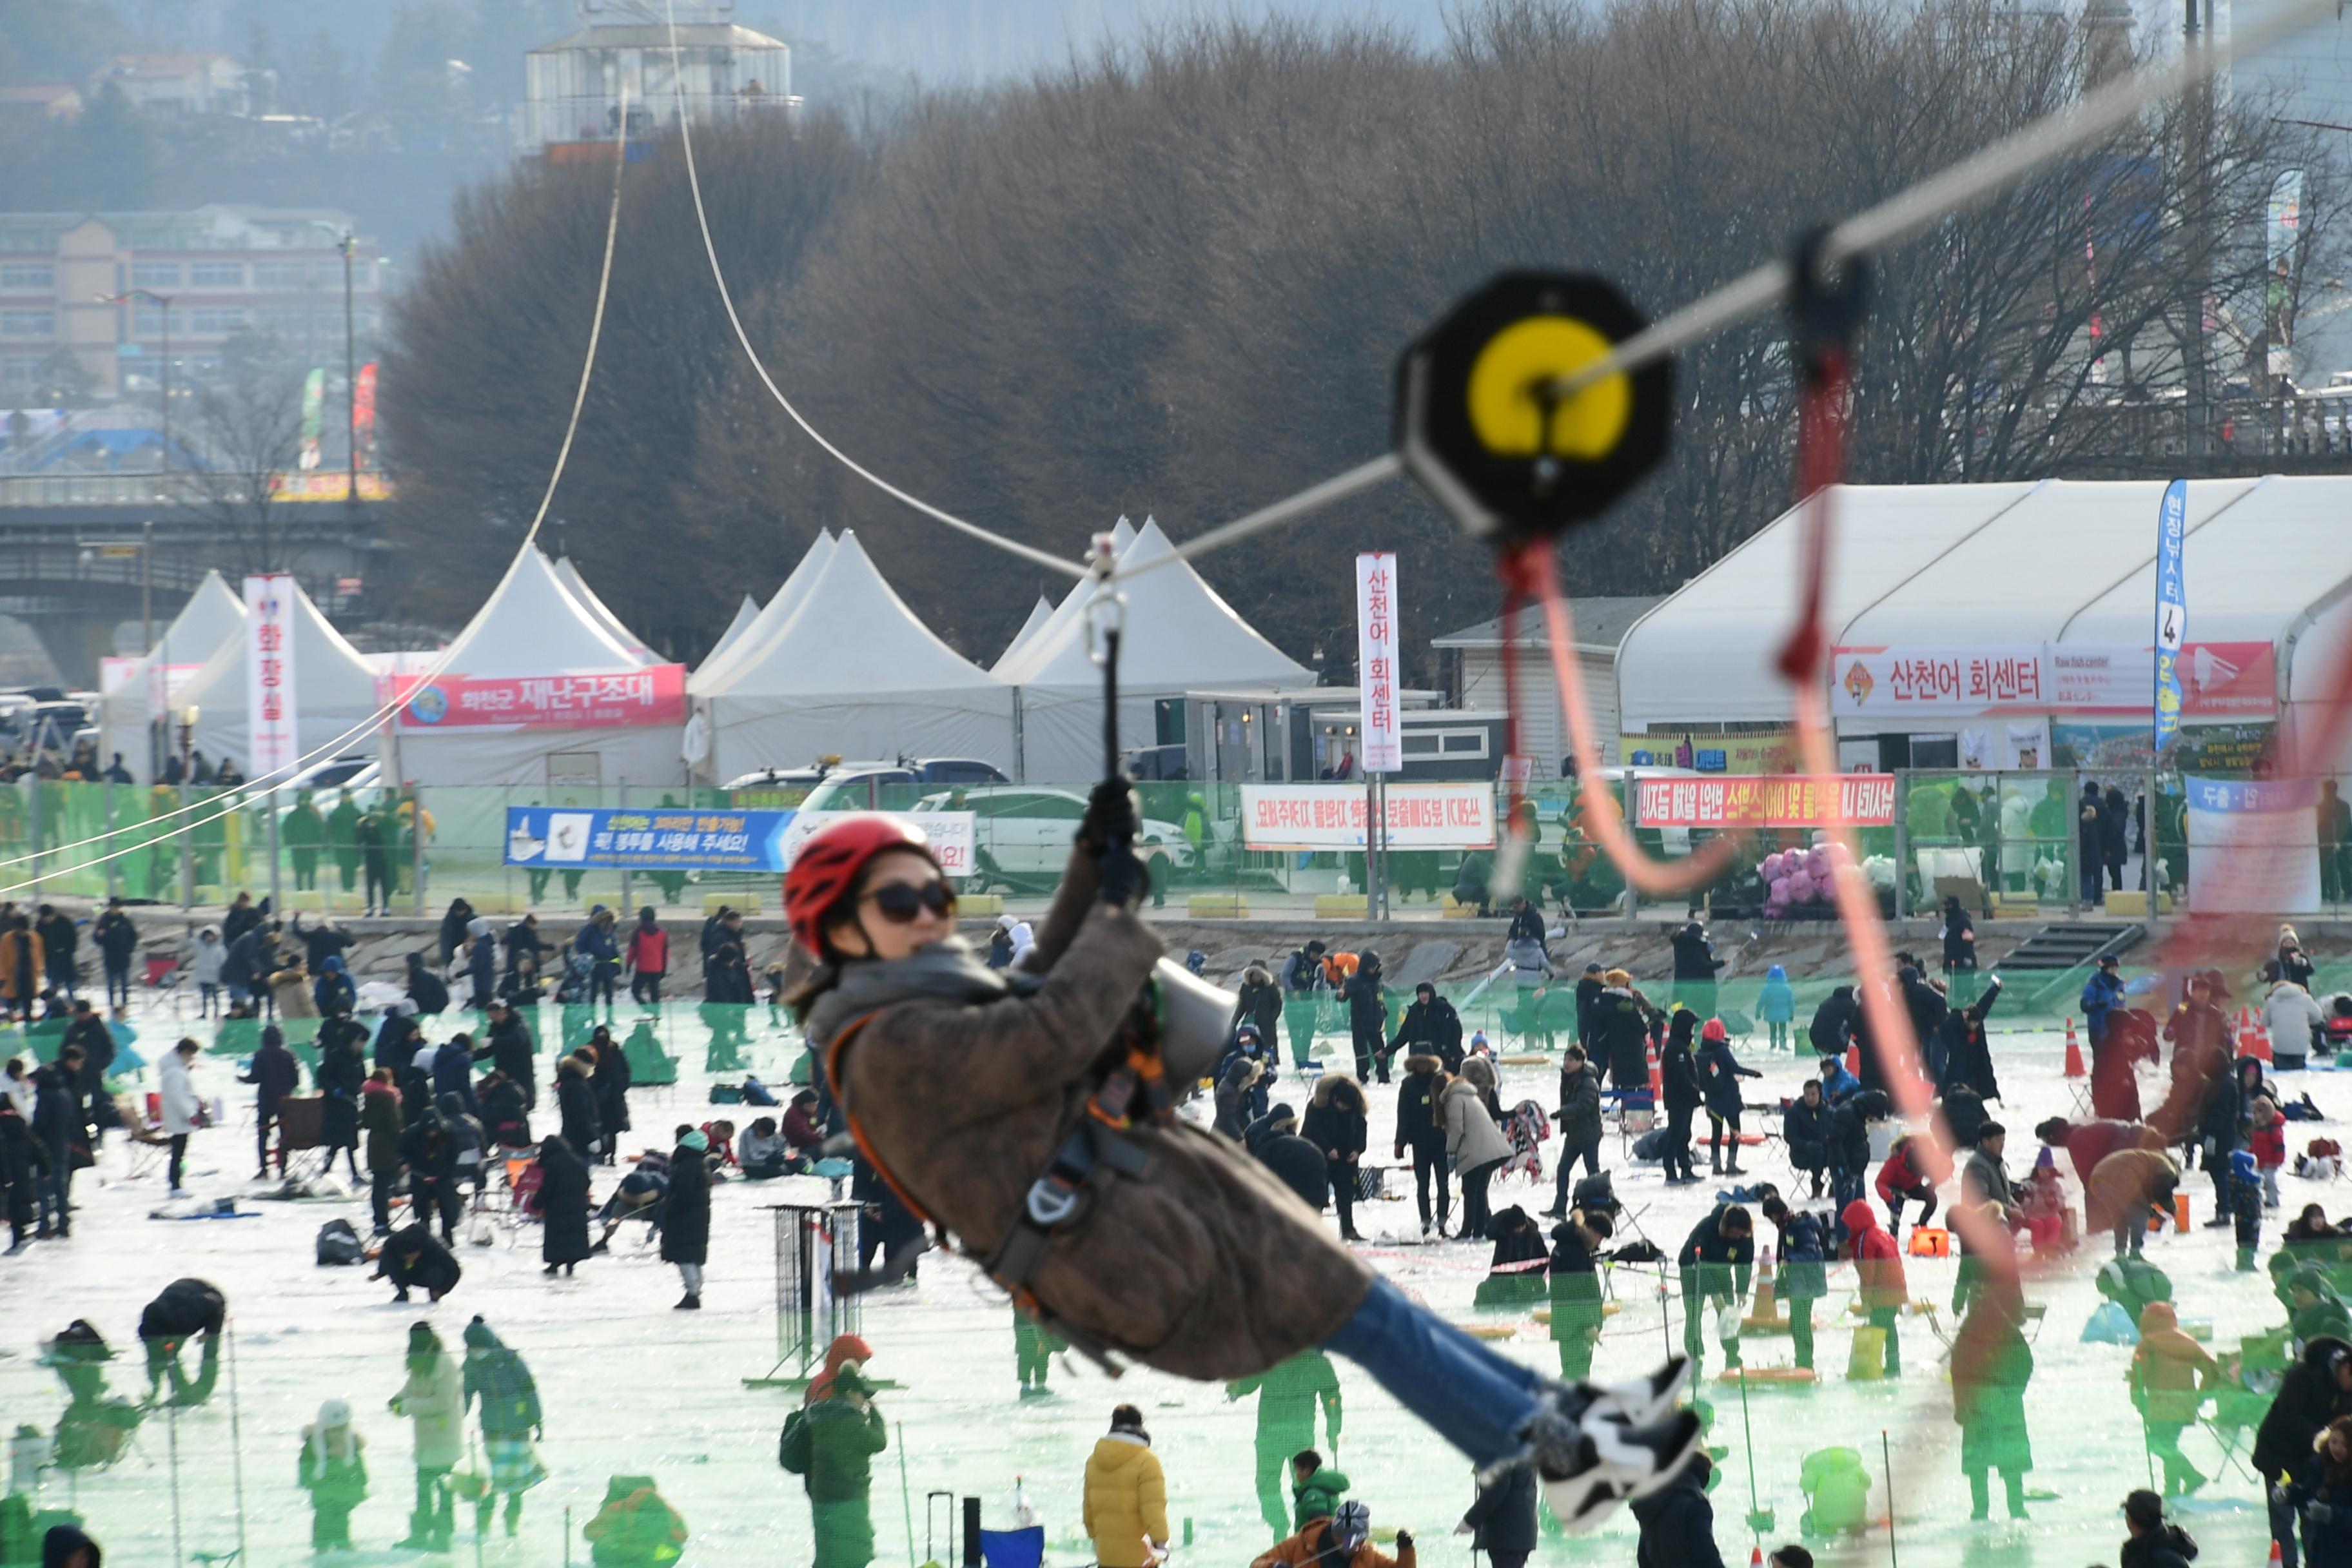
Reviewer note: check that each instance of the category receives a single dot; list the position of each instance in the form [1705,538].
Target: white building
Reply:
[574,87]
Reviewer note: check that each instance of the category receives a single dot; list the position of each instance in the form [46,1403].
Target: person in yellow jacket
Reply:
[1344,1539]
[1126,1498]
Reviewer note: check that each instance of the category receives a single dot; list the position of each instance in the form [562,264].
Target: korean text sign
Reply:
[1378,672]
[1307,816]
[654,695]
[696,838]
[272,715]
[1865,800]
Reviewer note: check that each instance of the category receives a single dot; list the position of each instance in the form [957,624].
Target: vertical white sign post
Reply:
[1378,675]
[271,734]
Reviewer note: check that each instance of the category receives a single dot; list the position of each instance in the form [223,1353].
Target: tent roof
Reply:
[745,614]
[331,675]
[213,614]
[1179,633]
[532,624]
[1039,614]
[2060,561]
[1601,625]
[851,634]
[769,621]
[597,609]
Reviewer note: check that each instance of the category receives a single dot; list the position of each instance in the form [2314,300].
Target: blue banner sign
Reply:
[663,838]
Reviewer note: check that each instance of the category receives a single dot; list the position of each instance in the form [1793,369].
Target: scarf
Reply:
[947,970]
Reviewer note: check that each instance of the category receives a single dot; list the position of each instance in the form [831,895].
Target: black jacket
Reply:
[1503,1518]
[1806,1129]
[685,1209]
[1621,1032]
[412,1258]
[1707,1244]
[1677,1525]
[1678,1072]
[1587,1001]
[1417,1114]
[2307,1400]
[397,1043]
[241,960]
[562,1203]
[1968,1055]
[58,1116]
[88,1031]
[1695,955]
[1850,1129]
[575,1107]
[425,989]
[2169,1547]
[509,1048]
[1366,1009]
[453,928]
[1298,1165]
[275,1075]
[182,1309]
[58,941]
[1432,1028]
[1260,1002]
[1580,1106]
[1832,1029]
[506,1117]
[1334,1128]
[115,937]
[523,941]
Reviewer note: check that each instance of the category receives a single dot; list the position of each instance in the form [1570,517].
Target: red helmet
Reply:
[829,864]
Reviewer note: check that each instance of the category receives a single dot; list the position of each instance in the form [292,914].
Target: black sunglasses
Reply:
[901,902]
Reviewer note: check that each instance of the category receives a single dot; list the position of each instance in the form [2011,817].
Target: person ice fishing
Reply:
[1715,1262]
[501,1380]
[1342,1540]
[830,1444]
[183,1310]
[1287,1395]
[1022,1110]
[1576,1313]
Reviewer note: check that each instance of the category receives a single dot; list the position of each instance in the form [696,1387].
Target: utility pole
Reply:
[351,376]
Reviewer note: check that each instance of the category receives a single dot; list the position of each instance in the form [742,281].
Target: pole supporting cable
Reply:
[1028,553]
[268,781]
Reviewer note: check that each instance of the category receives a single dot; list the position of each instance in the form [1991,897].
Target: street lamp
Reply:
[164,302]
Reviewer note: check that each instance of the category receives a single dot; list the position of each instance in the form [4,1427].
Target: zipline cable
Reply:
[1898,217]
[241,796]
[1030,554]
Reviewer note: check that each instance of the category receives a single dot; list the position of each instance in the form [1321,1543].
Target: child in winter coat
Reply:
[204,968]
[331,1471]
[2246,1205]
[2324,1497]
[1905,1175]
[1878,1264]
[2267,1140]
[1776,1006]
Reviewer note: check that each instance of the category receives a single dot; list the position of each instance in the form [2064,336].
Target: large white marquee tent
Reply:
[2060,565]
[334,694]
[213,618]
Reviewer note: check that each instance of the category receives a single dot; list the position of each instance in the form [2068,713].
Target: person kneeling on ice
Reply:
[412,1258]
[1023,1109]
[1342,1540]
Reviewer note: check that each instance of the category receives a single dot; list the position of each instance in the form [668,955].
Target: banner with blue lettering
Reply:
[669,839]
[2171,609]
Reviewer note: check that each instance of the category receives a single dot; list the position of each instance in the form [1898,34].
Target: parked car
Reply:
[860,786]
[1023,832]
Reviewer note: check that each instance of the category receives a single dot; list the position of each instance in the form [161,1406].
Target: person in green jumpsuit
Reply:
[1287,1396]
[831,1444]
[1034,1349]
[302,832]
[344,840]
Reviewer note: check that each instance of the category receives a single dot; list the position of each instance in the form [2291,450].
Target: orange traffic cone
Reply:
[1853,1058]
[1657,1078]
[2274,1551]
[1756,1555]
[2074,1068]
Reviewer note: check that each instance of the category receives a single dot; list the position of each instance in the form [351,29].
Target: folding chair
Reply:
[148,1142]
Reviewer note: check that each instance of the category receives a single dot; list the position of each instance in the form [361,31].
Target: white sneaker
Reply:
[1618,1462]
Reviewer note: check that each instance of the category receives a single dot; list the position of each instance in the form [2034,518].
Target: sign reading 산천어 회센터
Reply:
[696,839]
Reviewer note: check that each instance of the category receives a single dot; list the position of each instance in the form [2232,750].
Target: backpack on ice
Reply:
[338,1245]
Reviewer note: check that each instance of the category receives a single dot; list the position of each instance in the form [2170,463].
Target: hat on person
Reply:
[1282,1112]
[271,1035]
[1004,922]
[696,1142]
[2108,960]
[478,1335]
[1715,1031]
[1351,1526]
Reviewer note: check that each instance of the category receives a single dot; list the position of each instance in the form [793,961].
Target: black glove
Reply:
[1124,880]
[1404,1538]
[2318,1513]
[1111,815]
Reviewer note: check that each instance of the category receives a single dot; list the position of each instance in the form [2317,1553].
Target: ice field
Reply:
[632,1386]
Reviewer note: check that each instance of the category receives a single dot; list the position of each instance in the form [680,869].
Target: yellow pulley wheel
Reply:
[1512,409]
[1479,421]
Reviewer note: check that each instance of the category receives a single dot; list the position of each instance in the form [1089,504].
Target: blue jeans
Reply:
[1468,1395]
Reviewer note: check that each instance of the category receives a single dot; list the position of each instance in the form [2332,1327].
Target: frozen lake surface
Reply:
[632,1386]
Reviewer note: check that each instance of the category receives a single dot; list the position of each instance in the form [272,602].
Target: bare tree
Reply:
[248,422]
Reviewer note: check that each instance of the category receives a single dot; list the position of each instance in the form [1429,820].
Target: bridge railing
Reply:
[178,490]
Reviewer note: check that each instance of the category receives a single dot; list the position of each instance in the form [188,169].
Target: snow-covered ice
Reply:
[631,1385]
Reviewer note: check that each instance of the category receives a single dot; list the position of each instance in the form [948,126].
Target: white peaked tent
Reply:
[334,694]
[1015,658]
[597,610]
[769,621]
[534,625]
[1179,637]
[745,614]
[212,615]
[1122,534]
[853,673]
[1039,614]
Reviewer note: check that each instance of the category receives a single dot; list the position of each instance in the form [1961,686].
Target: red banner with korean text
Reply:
[1795,800]
[654,695]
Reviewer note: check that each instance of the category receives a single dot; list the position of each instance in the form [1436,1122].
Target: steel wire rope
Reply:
[1028,553]
[1898,217]
[241,794]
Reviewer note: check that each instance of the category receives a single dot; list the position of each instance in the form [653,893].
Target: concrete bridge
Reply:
[80,553]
